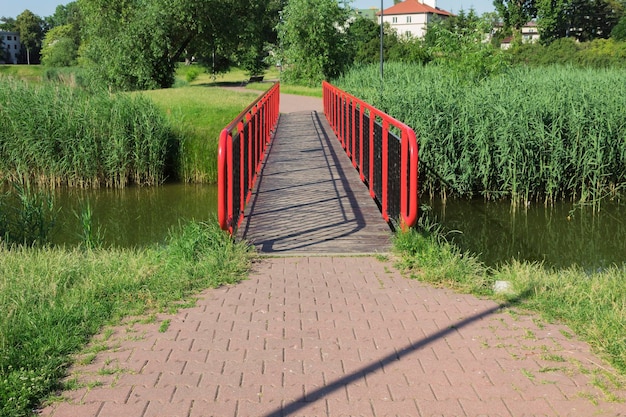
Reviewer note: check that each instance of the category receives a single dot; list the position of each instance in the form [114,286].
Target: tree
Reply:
[619,31]
[313,39]
[461,43]
[8,24]
[68,14]
[259,36]
[60,47]
[136,44]
[583,20]
[515,14]
[30,28]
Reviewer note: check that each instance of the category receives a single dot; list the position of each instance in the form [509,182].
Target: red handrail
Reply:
[245,138]
[345,112]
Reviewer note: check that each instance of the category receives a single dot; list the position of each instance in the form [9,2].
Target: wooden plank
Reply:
[309,198]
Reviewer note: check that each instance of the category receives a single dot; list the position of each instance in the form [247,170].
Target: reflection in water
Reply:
[133,216]
[559,236]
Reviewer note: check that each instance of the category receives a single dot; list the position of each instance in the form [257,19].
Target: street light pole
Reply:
[382,15]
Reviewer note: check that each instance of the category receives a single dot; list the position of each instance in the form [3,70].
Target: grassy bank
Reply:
[197,114]
[528,134]
[592,305]
[53,300]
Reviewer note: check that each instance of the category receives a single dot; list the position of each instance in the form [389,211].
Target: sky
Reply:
[44,8]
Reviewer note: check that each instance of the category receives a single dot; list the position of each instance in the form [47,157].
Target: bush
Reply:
[192,74]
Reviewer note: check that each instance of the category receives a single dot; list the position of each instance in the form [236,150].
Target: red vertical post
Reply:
[385,169]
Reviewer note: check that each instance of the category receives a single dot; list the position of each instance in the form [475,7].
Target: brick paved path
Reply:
[340,336]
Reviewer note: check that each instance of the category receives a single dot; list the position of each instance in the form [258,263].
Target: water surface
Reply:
[561,235]
[133,216]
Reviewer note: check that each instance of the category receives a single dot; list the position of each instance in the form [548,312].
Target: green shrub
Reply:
[192,74]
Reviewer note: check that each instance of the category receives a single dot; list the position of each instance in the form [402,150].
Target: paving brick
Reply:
[333,336]
[108,394]
[113,409]
[70,409]
[167,409]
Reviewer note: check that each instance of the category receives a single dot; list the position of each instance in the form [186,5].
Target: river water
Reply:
[133,216]
[561,235]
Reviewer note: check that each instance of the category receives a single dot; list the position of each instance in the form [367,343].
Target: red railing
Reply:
[241,150]
[383,150]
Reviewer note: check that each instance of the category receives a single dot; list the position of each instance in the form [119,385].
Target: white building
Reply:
[530,34]
[10,47]
[411,17]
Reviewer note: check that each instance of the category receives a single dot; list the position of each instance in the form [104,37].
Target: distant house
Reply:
[10,47]
[530,34]
[411,17]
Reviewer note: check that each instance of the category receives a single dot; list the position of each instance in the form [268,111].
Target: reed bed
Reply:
[54,135]
[530,134]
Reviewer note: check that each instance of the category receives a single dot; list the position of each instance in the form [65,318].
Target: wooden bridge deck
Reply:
[309,198]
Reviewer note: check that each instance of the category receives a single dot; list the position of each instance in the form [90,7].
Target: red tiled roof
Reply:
[414,7]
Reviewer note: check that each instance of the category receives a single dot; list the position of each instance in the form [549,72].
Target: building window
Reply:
[408,19]
[394,19]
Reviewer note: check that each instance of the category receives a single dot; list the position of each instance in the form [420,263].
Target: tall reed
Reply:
[538,134]
[27,216]
[52,135]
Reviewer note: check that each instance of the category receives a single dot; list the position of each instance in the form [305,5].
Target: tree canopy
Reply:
[313,40]
[136,44]
[30,27]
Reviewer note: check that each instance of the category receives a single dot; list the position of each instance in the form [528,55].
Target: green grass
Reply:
[31,73]
[197,114]
[53,300]
[591,304]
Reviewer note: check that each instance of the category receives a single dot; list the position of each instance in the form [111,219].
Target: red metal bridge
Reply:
[300,176]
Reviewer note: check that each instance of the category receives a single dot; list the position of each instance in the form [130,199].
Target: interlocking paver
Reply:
[309,364]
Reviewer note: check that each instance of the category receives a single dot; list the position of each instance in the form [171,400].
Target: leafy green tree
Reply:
[364,41]
[313,39]
[583,20]
[552,19]
[30,27]
[60,46]
[259,36]
[65,15]
[619,31]
[8,24]
[460,43]
[515,14]
[136,44]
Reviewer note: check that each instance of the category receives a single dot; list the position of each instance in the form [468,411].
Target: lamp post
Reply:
[382,15]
